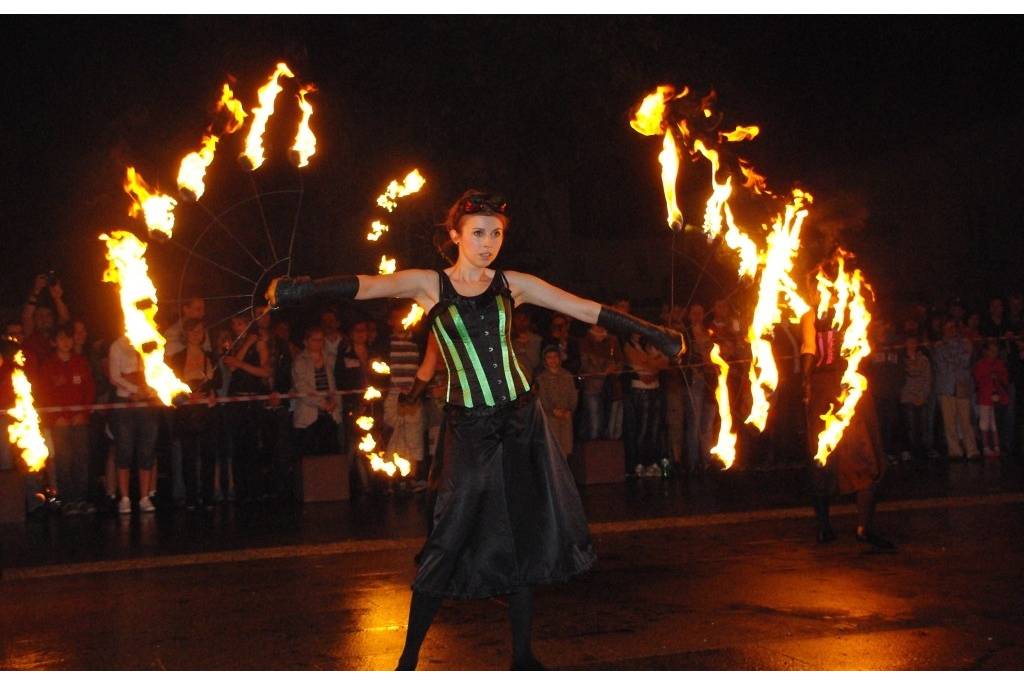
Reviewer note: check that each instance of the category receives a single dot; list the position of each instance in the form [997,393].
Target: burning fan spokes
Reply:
[770,258]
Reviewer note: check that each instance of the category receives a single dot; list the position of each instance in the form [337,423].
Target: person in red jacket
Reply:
[990,381]
[65,380]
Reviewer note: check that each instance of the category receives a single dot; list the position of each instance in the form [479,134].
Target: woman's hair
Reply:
[312,330]
[471,202]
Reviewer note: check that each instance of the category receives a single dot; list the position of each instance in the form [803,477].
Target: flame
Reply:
[128,269]
[365,422]
[24,430]
[378,230]
[387,266]
[855,347]
[367,443]
[649,117]
[253,155]
[193,168]
[305,141]
[669,159]
[380,367]
[371,394]
[412,184]
[725,448]
[156,208]
[413,317]
[783,242]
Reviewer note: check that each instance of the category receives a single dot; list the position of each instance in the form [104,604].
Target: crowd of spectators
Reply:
[267,390]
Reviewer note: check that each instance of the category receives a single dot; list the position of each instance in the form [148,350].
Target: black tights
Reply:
[423,608]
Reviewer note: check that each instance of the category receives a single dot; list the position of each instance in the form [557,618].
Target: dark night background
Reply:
[907,130]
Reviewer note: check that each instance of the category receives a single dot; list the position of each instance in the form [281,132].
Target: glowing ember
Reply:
[725,448]
[371,394]
[127,268]
[380,367]
[156,208]
[305,141]
[855,347]
[24,429]
[413,317]
[253,156]
[413,183]
[387,266]
[379,229]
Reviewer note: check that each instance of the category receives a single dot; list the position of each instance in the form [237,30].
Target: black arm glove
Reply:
[806,366]
[670,342]
[406,399]
[286,290]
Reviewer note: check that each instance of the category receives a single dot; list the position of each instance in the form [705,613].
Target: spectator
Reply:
[316,413]
[38,320]
[196,424]
[250,365]
[699,401]
[917,386]
[134,428]
[404,422]
[568,347]
[526,343]
[65,380]
[990,379]
[558,396]
[192,308]
[600,364]
[642,408]
[954,387]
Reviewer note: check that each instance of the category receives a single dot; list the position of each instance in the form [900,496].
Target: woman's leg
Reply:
[520,610]
[422,610]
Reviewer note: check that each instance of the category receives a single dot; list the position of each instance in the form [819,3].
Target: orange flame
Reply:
[725,448]
[253,156]
[305,141]
[854,349]
[387,266]
[380,367]
[193,168]
[365,422]
[371,394]
[192,172]
[413,183]
[24,430]
[669,159]
[156,208]
[413,317]
[127,268]
[379,229]
[783,242]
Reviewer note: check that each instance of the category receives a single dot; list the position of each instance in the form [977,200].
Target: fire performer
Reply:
[857,463]
[508,515]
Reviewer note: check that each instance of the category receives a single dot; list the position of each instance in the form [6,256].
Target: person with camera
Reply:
[44,308]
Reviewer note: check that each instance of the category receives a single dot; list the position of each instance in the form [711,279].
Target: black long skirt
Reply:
[507,514]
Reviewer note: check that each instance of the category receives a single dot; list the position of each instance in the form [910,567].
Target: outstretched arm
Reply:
[527,289]
[418,284]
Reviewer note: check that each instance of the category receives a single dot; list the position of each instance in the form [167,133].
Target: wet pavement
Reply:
[718,572]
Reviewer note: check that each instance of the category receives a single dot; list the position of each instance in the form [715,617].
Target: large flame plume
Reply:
[725,448]
[305,142]
[127,269]
[24,430]
[767,253]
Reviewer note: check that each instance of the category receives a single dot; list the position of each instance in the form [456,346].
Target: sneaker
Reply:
[652,471]
[124,506]
[146,504]
[987,452]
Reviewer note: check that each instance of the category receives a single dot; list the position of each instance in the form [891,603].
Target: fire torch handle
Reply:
[287,290]
[670,342]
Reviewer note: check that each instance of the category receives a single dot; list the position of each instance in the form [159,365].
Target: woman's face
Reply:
[315,342]
[195,335]
[479,239]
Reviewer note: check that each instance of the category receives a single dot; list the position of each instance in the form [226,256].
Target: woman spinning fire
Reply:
[508,515]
